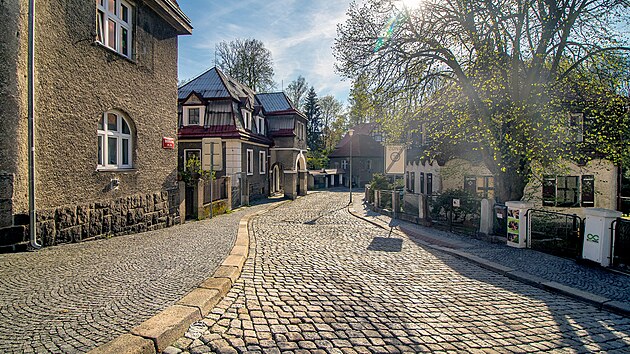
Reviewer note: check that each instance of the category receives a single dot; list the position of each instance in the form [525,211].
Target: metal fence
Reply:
[555,233]
[214,190]
[621,244]
[461,215]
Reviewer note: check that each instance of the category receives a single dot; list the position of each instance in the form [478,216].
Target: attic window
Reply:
[114,25]
[193,115]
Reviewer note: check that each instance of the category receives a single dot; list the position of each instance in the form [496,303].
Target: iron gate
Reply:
[499,225]
[621,244]
[555,233]
[461,215]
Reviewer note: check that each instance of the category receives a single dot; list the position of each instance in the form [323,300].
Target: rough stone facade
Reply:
[77,80]
[127,215]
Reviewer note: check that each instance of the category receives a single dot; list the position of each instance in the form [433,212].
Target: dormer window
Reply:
[260,125]
[193,115]
[247,119]
[114,25]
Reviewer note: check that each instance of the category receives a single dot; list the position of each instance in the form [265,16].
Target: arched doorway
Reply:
[275,179]
[300,166]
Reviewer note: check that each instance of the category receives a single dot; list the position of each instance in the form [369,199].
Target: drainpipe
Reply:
[31,125]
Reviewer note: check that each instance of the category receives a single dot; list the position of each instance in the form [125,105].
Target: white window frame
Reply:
[262,162]
[250,162]
[104,15]
[260,125]
[247,117]
[300,130]
[202,113]
[344,164]
[104,134]
[186,151]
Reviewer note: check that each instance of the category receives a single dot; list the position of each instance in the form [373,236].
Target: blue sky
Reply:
[299,34]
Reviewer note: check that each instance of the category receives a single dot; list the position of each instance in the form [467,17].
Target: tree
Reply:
[331,109]
[248,61]
[361,107]
[297,91]
[491,73]
[313,114]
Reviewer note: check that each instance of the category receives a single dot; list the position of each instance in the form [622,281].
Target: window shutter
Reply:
[588,191]
[211,154]
[549,190]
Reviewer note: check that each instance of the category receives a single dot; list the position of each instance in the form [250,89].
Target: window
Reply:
[482,186]
[193,115]
[115,142]
[114,25]
[411,181]
[576,127]
[369,165]
[247,119]
[260,125]
[191,154]
[344,164]
[250,162]
[429,183]
[262,161]
[300,130]
[564,191]
[422,182]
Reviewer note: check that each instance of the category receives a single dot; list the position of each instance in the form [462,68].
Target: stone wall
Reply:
[6,199]
[127,215]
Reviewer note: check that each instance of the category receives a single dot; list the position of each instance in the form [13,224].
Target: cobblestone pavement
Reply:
[615,286]
[74,297]
[323,281]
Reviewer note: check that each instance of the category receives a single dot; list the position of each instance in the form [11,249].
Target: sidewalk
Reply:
[603,288]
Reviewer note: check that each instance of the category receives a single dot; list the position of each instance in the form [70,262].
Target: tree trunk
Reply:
[509,185]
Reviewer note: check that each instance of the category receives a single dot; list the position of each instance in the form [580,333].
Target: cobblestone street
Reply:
[324,281]
[74,297]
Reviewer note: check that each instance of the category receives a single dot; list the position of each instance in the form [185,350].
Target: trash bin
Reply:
[597,234]
[517,223]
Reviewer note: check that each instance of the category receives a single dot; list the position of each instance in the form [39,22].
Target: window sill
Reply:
[101,45]
[116,169]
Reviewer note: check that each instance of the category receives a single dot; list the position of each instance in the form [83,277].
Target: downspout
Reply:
[31,125]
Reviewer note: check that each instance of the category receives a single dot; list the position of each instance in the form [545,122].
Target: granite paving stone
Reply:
[312,261]
[74,297]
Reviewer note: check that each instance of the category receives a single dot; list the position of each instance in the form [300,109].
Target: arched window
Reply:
[115,142]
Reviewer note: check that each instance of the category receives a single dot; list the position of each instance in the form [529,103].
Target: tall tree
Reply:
[313,113]
[248,61]
[361,106]
[331,109]
[494,72]
[297,91]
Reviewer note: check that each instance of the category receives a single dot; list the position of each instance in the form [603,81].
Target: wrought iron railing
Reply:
[555,233]
[461,215]
[620,245]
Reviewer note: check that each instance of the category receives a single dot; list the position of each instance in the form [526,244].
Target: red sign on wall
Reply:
[168,143]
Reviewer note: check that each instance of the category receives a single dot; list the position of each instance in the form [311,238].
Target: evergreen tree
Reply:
[313,113]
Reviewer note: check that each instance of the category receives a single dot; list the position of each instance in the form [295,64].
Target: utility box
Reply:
[517,223]
[597,234]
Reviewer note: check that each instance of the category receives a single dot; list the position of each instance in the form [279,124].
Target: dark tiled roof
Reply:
[274,102]
[362,146]
[216,84]
[359,129]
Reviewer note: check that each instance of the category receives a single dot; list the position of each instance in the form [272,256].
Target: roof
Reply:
[362,146]
[277,103]
[170,11]
[359,129]
[215,84]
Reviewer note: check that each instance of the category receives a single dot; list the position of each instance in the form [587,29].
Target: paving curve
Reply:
[72,298]
[323,281]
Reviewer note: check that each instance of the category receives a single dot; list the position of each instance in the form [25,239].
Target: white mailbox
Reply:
[597,234]
[517,223]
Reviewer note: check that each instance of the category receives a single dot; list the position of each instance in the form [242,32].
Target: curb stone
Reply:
[598,301]
[158,332]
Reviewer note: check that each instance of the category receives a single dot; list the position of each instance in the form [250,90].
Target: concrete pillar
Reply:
[199,206]
[377,198]
[486,218]
[303,176]
[228,191]
[181,185]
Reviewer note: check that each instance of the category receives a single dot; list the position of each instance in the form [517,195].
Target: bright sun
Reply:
[410,3]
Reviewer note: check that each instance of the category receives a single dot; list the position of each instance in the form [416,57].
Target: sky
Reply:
[299,34]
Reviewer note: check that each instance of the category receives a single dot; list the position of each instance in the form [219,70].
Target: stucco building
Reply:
[258,140]
[105,87]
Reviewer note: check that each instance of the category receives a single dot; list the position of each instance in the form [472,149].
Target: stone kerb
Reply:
[164,328]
